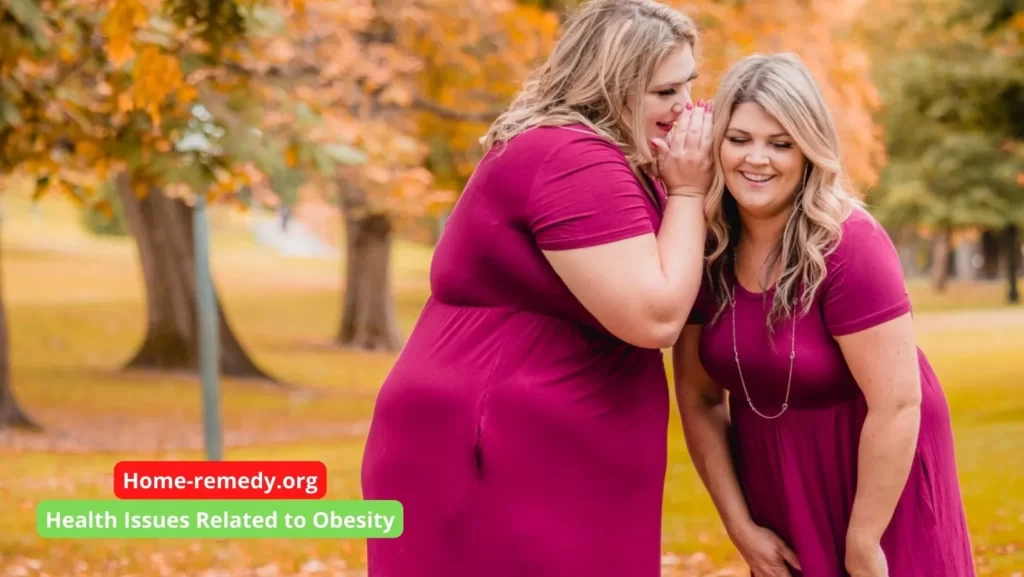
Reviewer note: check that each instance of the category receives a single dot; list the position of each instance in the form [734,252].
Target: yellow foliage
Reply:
[291,156]
[154,77]
[123,17]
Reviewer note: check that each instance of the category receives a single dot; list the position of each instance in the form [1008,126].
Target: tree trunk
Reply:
[991,249]
[12,416]
[162,228]
[940,258]
[1013,262]
[368,318]
[905,247]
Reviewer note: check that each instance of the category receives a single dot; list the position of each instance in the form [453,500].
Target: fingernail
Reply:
[700,102]
[689,105]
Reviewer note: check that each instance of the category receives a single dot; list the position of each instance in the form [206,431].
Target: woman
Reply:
[523,426]
[834,453]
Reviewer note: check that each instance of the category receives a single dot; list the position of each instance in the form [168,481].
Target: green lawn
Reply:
[76,313]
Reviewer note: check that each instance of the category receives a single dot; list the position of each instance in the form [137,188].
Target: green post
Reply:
[209,341]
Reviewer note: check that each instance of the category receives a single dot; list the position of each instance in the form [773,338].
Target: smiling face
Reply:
[762,166]
[668,92]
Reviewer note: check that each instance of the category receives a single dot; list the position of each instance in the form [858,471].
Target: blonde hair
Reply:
[783,86]
[598,73]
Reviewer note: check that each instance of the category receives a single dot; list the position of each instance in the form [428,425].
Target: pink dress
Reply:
[799,471]
[521,437]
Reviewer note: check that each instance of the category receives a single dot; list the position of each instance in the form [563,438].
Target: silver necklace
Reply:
[736,355]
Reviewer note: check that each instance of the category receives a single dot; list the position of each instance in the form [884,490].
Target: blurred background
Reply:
[327,140]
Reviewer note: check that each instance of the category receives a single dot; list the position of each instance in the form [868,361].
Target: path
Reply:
[296,240]
[987,318]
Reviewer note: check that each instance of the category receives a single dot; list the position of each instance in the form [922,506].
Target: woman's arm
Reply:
[642,288]
[884,361]
[705,415]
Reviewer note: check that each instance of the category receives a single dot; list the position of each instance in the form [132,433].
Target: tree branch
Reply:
[311,73]
[450,114]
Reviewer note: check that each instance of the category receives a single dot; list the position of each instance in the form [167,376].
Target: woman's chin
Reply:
[758,204]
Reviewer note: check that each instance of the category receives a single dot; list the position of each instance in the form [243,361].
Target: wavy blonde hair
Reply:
[785,88]
[598,73]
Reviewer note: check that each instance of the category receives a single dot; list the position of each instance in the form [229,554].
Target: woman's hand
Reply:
[865,558]
[684,157]
[765,552]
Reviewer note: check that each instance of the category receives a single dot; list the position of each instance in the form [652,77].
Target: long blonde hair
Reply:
[598,73]
[785,88]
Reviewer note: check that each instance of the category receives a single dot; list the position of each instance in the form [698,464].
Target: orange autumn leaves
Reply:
[824,33]
[346,82]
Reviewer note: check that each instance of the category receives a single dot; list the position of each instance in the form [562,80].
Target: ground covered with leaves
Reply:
[76,310]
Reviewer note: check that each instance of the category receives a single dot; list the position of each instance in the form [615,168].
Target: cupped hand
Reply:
[684,156]
[865,558]
[765,552]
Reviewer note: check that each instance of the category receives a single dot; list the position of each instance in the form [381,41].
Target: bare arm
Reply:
[642,289]
[884,361]
[704,413]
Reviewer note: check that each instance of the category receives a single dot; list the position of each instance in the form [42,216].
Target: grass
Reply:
[76,313]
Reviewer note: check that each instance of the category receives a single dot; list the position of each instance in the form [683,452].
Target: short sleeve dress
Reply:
[522,438]
[799,471]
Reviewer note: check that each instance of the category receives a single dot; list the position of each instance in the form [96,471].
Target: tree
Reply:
[11,413]
[26,39]
[953,120]
[363,76]
[121,91]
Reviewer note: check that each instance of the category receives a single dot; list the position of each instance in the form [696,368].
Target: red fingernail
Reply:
[689,105]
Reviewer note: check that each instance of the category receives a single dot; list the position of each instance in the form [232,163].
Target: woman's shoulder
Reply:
[861,232]
[564,139]
[864,247]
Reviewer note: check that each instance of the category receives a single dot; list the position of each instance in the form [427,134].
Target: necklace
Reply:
[736,355]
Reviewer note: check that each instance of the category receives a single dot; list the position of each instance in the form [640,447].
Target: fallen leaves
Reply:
[71,433]
[177,563]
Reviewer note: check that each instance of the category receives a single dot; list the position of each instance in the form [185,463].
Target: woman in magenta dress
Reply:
[524,424]
[832,454]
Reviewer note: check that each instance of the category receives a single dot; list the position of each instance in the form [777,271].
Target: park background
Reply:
[327,139]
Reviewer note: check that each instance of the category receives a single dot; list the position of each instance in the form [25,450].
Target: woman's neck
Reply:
[758,238]
[760,235]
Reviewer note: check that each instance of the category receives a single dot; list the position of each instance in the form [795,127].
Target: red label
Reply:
[220,480]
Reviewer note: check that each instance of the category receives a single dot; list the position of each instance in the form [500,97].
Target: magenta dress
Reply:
[799,471]
[521,437]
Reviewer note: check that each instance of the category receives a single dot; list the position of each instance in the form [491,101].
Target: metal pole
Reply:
[209,341]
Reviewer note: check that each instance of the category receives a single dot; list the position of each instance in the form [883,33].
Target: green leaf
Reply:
[324,162]
[30,16]
[10,113]
[345,154]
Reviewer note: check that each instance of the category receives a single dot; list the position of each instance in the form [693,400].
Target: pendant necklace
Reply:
[736,356]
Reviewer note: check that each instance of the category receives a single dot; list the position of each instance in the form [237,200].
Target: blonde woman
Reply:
[524,425]
[832,454]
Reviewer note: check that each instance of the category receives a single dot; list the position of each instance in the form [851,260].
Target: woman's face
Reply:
[668,92]
[762,166]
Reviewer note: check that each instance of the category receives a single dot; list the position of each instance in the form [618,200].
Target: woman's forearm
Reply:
[681,240]
[887,446]
[705,426]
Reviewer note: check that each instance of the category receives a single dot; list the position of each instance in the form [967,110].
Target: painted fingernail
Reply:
[700,102]
[689,105]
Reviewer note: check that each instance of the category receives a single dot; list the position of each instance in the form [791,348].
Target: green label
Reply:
[229,519]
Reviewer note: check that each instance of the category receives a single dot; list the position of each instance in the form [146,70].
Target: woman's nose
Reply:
[756,157]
